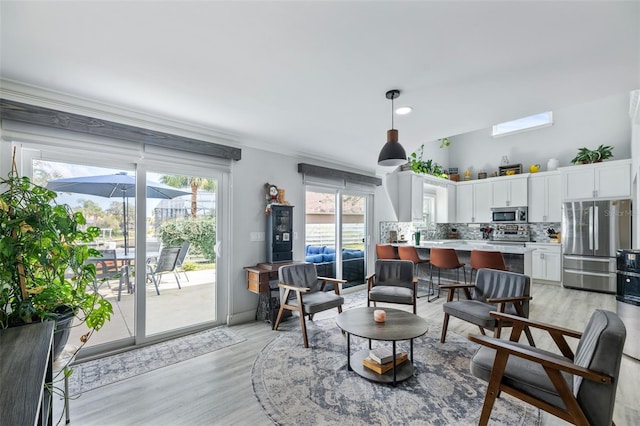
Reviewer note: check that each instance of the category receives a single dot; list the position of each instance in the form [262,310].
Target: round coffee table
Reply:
[400,325]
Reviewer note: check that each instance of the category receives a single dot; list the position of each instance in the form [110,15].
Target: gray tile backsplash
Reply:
[441,231]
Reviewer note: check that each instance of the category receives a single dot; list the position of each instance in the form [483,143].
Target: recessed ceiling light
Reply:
[404,110]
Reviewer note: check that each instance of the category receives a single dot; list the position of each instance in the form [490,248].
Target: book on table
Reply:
[383,354]
[383,368]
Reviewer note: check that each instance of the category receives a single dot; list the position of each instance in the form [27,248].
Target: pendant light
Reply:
[392,153]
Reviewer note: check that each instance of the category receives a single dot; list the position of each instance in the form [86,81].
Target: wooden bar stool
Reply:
[486,259]
[385,251]
[410,253]
[444,258]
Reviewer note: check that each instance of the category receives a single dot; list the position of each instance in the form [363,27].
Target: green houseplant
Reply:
[418,165]
[586,155]
[43,251]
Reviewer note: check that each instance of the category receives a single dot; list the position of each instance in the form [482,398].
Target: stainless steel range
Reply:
[511,232]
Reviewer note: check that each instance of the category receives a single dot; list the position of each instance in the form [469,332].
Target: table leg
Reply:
[394,363]
[348,351]
[411,350]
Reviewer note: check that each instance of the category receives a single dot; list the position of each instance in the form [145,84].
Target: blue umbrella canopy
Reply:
[110,186]
[116,185]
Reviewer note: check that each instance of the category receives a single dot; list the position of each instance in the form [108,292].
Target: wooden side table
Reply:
[262,280]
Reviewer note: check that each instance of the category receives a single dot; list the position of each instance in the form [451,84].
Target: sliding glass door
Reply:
[159,237]
[336,233]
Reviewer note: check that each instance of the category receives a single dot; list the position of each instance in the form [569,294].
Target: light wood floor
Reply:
[215,389]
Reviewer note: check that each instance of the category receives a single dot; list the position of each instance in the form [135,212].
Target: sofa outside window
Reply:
[325,260]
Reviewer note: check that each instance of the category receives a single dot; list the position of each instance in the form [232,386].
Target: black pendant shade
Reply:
[392,153]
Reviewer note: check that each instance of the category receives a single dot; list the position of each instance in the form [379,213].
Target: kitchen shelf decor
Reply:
[510,169]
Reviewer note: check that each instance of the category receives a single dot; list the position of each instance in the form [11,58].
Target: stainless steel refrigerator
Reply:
[592,231]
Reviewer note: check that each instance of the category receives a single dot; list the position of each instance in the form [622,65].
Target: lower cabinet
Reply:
[546,261]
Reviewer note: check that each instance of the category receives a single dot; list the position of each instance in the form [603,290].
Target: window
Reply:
[531,122]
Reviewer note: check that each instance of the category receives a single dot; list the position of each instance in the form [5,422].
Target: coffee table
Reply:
[400,325]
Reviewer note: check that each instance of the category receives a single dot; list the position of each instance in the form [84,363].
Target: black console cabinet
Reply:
[280,234]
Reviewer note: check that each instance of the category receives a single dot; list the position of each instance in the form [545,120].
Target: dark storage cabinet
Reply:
[280,234]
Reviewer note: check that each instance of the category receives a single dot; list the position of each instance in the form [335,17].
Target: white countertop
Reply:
[469,245]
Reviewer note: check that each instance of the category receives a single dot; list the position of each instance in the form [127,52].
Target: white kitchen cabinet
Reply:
[473,202]
[546,261]
[509,191]
[464,202]
[410,197]
[606,180]
[545,201]
[446,203]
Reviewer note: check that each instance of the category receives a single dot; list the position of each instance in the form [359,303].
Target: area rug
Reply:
[312,386]
[100,372]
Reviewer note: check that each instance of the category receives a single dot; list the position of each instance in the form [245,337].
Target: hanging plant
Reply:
[444,142]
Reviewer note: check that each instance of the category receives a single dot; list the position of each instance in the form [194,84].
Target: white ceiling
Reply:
[310,78]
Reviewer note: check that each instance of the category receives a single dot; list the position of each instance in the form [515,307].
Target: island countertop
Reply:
[468,245]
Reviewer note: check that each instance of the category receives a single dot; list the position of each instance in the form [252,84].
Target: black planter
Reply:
[62,331]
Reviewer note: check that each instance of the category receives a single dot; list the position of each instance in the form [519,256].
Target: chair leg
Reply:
[283,302]
[303,325]
[493,388]
[175,274]
[155,283]
[445,324]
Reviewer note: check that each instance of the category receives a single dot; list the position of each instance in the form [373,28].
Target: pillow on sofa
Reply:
[352,254]
[328,250]
[329,257]
[314,250]
[314,258]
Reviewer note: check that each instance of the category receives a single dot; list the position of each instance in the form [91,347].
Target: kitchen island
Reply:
[517,257]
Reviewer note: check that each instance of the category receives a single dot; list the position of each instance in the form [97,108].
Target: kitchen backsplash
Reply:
[405,230]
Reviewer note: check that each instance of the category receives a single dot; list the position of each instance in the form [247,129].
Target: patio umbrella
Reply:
[110,186]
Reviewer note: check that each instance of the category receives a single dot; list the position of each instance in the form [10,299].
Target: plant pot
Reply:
[62,331]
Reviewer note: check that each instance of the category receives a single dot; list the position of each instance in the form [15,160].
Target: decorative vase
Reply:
[552,164]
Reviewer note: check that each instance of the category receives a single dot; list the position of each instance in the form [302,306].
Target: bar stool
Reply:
[444,258]
[410,253]
[486,259]
[385,251]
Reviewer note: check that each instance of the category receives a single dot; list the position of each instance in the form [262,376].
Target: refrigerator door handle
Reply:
[591,228]
[596,229]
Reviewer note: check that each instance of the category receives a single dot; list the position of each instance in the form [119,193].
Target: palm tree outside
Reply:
[194,183]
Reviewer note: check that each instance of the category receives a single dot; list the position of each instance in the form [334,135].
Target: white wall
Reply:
[605,121]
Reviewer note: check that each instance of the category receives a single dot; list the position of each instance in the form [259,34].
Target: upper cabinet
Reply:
[473,202]
[607,180]
[446,203]
[410,197]
[544,197]
[509,191]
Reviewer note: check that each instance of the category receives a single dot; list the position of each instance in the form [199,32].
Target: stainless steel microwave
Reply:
[509,215]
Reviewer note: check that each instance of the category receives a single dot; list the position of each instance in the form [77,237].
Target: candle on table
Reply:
[379,315]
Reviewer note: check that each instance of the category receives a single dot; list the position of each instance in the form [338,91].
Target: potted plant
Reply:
[418,165]
[604,152]
[586,155]
[43,270]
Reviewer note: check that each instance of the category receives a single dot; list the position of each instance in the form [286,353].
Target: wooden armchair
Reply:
[579,388]
[303,291]
[493,290]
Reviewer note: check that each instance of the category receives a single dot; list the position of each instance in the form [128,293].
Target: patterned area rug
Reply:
[295,385]
[100,372]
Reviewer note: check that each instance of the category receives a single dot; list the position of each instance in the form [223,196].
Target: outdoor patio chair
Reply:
[107,269]
[167,262]
[184,251]
[303,291]
[580,388]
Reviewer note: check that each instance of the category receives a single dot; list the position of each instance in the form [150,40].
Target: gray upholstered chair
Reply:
[580,389]
[304,292]
[493,290]
[393,282]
